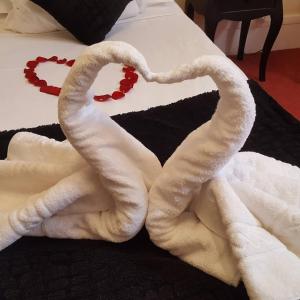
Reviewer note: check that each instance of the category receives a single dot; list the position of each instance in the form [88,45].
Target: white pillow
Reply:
[27,17]
[141,4]
[5,6]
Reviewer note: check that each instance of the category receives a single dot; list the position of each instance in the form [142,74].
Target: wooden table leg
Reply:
[275,25]
[243,37]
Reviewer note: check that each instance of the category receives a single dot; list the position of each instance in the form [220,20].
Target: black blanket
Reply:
[42,268]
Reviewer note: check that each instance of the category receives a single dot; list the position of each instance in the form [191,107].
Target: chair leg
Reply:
[210,27]
[189,10]
[276,22]
[243,37]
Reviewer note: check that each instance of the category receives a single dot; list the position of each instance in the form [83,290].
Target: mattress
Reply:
[162,33]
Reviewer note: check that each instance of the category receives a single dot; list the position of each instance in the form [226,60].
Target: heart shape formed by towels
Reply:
[126,84]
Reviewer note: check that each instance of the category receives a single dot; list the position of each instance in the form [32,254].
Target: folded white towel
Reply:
[229,214]
[94,187]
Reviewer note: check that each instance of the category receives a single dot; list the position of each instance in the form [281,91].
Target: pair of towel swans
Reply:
[211,205]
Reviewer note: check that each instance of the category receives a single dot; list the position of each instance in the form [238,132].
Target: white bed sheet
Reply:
[164,35]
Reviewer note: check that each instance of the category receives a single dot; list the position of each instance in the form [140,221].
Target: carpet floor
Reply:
[282,77]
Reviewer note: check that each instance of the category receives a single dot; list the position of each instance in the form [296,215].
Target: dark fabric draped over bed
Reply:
[42,268]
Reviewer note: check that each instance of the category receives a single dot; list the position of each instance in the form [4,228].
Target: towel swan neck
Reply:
[215,142]
[78,115]
[206,150]
[112,152]
[200,157]
[96,184]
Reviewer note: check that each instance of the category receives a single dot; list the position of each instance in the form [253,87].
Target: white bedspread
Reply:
[162,33]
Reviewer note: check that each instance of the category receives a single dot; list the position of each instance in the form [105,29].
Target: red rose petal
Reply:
[125,88]
[126,82]
[32,64]
[37,82]
[61,61]
[70,63]
[40,83]
[117,95]
[31,78]
[132,81]
[52,90]
[128,68]
[28,71]
[53,58]
[41,59]
[102,98]
[133,77]
[43,82]
[30,74]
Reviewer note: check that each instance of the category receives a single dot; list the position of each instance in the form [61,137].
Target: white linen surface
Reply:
[164,35]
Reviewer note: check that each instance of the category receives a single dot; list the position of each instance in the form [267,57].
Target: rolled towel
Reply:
[95,185]
[231,214]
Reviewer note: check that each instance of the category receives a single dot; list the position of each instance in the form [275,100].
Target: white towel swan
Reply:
[95,185]
[229,214]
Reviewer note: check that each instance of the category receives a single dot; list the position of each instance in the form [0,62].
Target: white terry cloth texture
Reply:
[231,214]
[95,185]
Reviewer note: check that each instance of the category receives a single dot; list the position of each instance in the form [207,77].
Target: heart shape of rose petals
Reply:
[125,85]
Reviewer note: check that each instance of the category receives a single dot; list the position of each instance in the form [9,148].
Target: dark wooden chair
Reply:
[244,11]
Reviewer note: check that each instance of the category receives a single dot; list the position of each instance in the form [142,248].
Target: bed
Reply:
[177,48]
[160,116]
